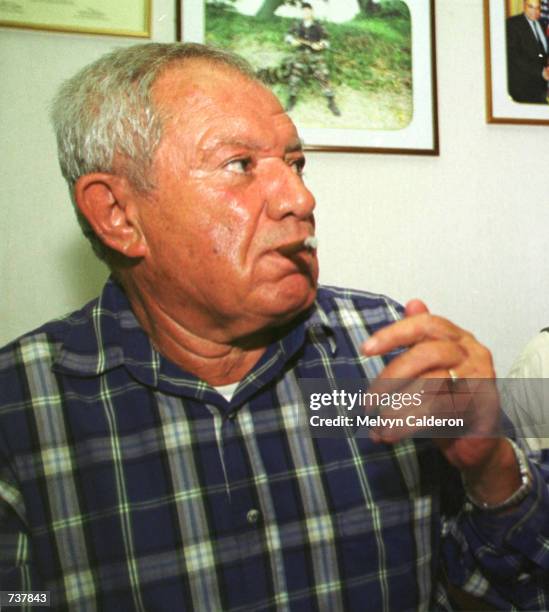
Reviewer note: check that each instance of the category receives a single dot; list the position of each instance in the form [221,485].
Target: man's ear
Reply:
[110,206]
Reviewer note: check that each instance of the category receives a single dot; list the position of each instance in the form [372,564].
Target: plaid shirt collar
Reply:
[107,335]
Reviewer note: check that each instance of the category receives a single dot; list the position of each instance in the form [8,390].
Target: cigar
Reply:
[311,243]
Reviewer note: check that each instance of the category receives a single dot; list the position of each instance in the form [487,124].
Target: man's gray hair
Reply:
[106,111]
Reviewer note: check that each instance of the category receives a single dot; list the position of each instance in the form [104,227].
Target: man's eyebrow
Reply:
[248,144]
[295,146]
[219,143]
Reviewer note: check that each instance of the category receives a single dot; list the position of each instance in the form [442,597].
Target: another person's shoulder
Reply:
[361,307]
[516,20]
[533,361]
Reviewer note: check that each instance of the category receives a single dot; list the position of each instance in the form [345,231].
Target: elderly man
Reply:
[152,453]
[527,53]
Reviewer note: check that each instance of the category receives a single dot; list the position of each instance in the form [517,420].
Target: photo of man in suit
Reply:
[527,53]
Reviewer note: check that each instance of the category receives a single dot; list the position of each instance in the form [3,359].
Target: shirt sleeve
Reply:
[525,393]
[324,36]
[504,558]
[293,32]
[17,571]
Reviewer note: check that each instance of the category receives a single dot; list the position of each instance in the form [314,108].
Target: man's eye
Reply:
[298,166]
[240,166]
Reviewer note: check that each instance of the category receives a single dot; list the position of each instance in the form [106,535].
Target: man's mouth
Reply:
[310,244]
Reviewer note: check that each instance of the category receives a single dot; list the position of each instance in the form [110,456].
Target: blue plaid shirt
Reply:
[128,484]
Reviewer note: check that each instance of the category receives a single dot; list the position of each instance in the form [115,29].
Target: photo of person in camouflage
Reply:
[309,41]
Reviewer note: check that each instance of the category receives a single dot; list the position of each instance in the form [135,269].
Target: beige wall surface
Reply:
[466,231]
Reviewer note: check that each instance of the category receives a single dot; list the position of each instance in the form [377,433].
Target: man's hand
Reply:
[435,346]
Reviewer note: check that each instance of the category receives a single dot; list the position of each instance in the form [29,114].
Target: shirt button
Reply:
[252,516]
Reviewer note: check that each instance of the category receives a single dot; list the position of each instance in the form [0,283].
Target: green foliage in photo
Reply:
[370,53]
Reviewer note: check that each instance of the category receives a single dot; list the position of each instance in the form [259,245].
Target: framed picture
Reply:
[516,47]
[354,75]
[120,18]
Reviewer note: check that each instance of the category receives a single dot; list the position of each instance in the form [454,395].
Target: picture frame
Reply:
[418,135]
[130,18]
[500,106]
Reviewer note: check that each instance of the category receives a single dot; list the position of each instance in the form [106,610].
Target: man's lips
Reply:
[290,248]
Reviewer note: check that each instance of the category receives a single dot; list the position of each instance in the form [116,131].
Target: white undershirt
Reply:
[227,391]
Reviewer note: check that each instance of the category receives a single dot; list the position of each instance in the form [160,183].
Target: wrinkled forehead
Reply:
[210,101]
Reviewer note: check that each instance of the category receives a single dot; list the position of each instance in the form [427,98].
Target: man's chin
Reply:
[291,299]
[273,310]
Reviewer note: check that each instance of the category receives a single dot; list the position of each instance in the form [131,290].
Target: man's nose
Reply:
[286,193]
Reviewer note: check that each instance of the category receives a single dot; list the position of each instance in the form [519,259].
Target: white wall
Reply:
[465,231]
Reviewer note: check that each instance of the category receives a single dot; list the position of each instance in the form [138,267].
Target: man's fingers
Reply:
[415,307]
[409,331]
[424,357]
[480,359]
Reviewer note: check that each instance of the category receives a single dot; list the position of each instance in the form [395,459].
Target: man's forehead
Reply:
[226,107]
[198,81]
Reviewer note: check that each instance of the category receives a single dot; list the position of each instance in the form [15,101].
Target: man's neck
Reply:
[215,362]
